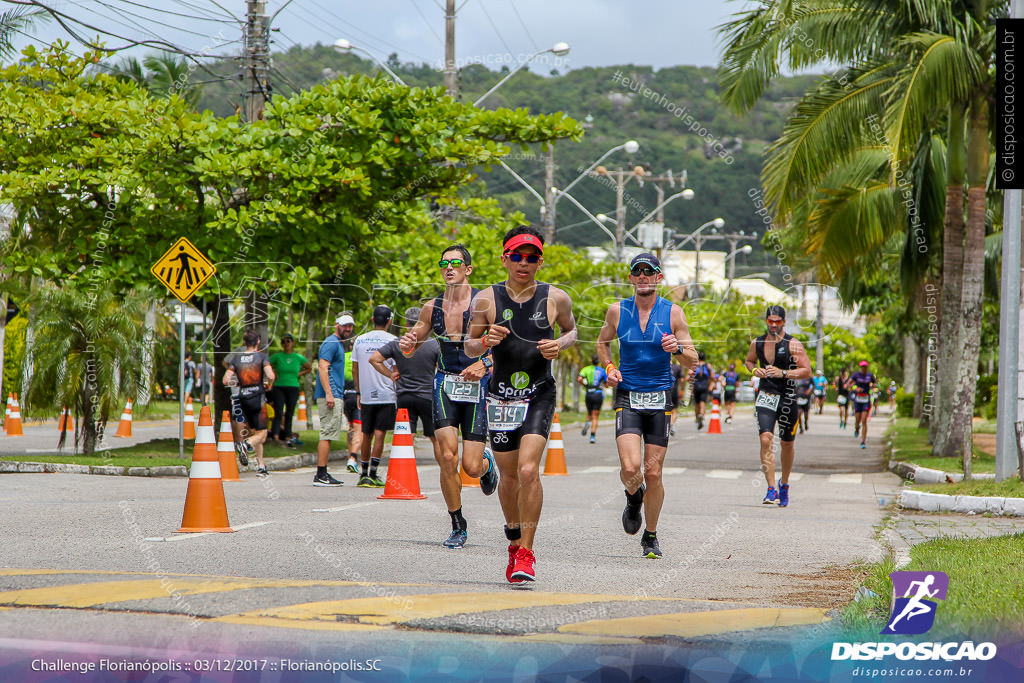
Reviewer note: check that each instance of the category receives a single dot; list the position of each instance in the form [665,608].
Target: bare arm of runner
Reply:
[550,348]
[680,339]
[604,344]
[751,361]
[483,333]
[412,340]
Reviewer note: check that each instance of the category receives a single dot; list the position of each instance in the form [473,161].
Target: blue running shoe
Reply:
[489,479]
[783,494]
[862,445]
[771,496]
[457,539]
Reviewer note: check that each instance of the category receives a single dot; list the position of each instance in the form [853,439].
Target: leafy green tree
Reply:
[16,20]
[85,356]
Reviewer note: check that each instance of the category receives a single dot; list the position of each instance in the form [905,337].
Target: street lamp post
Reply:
[731,258]
[345,46]
[696,237]
[558,49]
[598,220]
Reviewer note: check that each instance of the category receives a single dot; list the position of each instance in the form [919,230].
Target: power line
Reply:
[495,27]
[376,38]
[430,26]
[523,24]
[177,14]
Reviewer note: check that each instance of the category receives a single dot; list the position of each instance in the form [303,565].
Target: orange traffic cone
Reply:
[226,450]
[205,508]
[403,482]
[14,425]
[715,426]
[554,464]
[124,427]
[302,416]
[7,411]
[66,423]
[190,420]
[468,481]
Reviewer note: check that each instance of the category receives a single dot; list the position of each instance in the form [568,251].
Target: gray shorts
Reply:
[330,419]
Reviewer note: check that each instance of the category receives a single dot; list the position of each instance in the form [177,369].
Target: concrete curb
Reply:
[288,462]
[926,475]
[971,505]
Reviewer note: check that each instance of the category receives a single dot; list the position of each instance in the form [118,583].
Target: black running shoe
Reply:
[649,547]
[586,428]
[262,472]
[242,454]
[631,516]
[325,479]
[489,480]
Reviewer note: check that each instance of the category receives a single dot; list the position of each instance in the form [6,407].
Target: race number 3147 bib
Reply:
[505,416]
[460,390]
[767,401]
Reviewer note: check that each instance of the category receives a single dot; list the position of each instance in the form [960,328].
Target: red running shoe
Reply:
[523,570]
[513,551]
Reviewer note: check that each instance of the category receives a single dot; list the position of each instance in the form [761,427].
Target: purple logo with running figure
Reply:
[913,601]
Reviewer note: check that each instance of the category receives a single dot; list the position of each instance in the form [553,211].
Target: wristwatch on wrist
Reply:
[785,374]
[488,363]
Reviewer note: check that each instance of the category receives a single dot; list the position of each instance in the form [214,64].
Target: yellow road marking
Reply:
[692,624]
[400,609]
[102,592]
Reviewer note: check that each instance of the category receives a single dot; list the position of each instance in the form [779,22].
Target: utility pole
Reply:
[256,58]
[450,78]
[549,196]
[819,327]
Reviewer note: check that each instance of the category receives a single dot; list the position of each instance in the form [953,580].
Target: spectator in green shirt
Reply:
[289,366]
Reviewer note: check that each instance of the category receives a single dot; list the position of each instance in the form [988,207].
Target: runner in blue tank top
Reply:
[516,319]
[460,376]
[650,330]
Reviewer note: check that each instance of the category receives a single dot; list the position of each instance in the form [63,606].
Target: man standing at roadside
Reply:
[376,395]
[515,319]
[327,392]
[459,395]
[778,360]
[650,330]
[592,377]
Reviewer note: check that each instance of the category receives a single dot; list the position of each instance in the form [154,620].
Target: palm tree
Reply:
[17,20]
[913,65]
[87,355]
[162,74]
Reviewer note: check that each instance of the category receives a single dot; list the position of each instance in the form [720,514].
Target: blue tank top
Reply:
[644,365]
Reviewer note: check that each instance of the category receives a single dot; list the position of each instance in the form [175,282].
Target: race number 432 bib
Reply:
[767,401]
[647,400]
[461,391]
[505,416]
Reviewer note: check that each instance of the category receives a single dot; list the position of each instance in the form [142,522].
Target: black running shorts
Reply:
[594,399]
[351,407]
[469,418]
[378,417]
[651,425]
[420,410]
[253,409]
[699,396]
[538,421]
[785,416]
[730,394]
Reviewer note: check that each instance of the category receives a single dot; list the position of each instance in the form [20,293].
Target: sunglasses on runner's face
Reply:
[453,262]
[516,257]
[774,321]
[644,270]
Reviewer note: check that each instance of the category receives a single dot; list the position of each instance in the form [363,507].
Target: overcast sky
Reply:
[600,32]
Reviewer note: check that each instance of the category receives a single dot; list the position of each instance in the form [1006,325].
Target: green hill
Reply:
[674,114]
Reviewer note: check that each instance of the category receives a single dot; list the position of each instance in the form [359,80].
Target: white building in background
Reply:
[800,301]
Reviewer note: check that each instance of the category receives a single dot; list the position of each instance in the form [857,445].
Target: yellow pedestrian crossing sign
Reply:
[183,269]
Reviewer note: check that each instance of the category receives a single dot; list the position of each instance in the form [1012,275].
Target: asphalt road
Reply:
[92,563]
